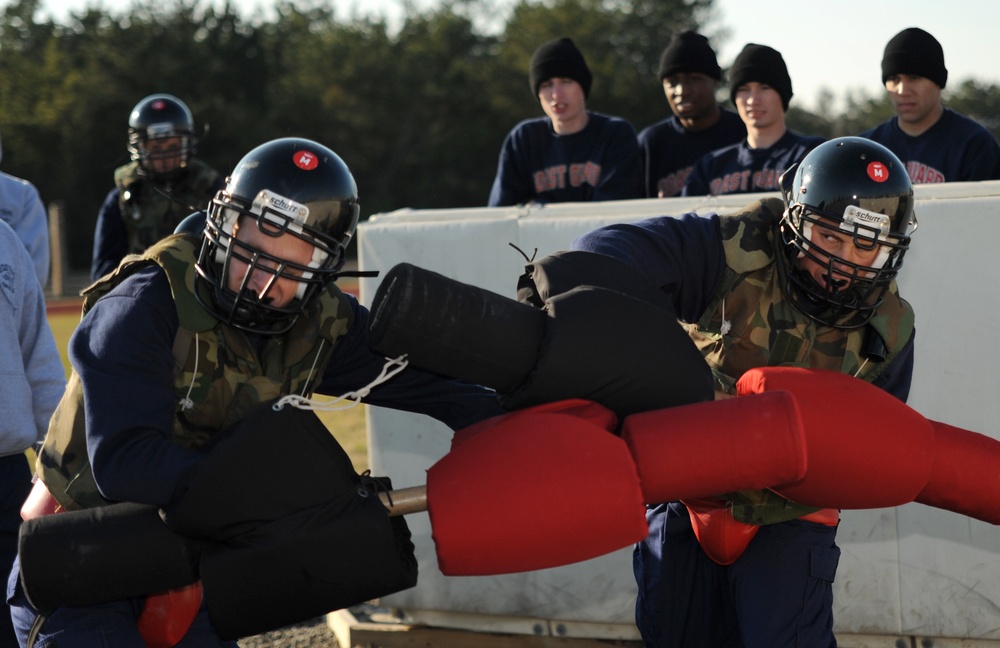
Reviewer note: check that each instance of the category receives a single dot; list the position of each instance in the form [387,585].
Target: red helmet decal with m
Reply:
[305,160]
[878,171]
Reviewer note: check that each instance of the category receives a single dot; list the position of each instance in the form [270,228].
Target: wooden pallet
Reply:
[358,629]
[385,629]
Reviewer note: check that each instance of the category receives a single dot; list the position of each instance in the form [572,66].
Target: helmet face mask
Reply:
[261,276]
[161,136]
[846,227]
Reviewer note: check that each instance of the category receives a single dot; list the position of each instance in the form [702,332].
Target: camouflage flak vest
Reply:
[750,323]
[219,375]
[150,215]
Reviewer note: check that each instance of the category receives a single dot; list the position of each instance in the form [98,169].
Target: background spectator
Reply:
[935,143]
[690,74]
[571,154]
[760,88]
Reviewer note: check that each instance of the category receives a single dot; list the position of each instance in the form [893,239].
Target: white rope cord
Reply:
[858,372]
[726,324]
[312,369]
[348,400]
[186,403]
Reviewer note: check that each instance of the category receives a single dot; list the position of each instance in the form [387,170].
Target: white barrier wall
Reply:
[907,571]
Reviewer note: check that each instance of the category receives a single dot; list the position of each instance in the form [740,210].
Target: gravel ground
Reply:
[310,634]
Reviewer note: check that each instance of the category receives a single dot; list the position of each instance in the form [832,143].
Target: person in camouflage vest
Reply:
[161,185]
[809,282]
[182,342]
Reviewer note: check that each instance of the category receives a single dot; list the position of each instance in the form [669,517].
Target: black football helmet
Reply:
[160,116]
[288,186]
[847,185]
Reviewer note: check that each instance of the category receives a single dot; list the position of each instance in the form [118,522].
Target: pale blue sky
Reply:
[834,44]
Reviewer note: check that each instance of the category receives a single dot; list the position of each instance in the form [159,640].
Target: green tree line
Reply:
[417,109]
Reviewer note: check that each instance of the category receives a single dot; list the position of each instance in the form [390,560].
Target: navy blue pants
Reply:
[15,484]
[778,594]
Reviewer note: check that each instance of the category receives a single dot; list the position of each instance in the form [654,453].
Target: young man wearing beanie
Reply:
[760,88]
[690,75]
[571,154]
[937,144]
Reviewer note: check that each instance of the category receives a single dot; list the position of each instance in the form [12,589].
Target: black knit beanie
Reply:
[760,64]
[559,58]
[914,51]
[689,52]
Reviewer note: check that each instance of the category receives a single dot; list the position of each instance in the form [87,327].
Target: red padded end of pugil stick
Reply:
[866,448]
[534,490]
[167,616]
[707,449]
[966,474]
[579,407]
